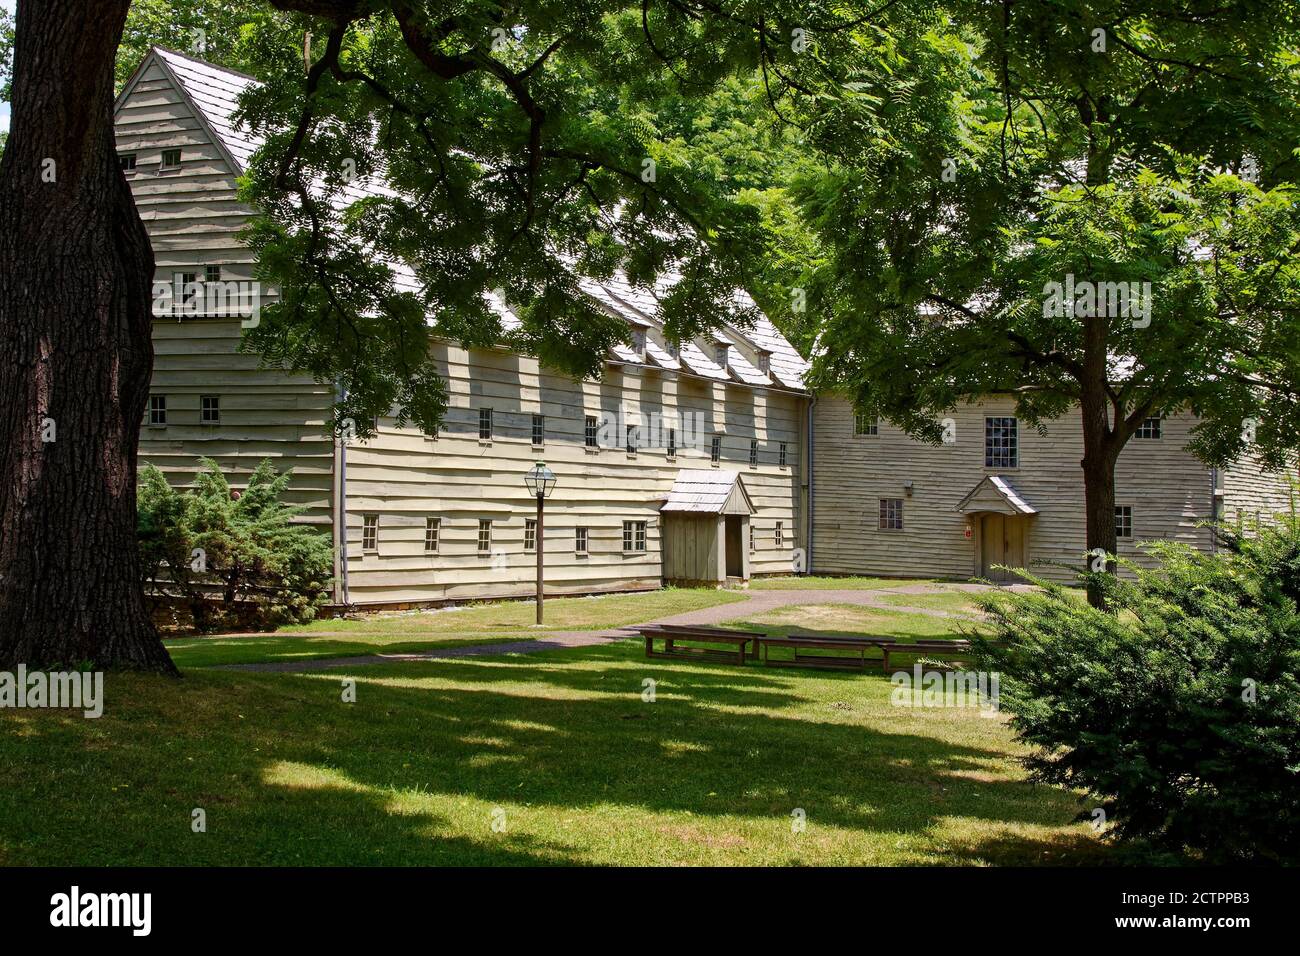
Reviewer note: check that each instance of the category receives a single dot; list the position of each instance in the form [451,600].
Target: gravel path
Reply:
[755,603]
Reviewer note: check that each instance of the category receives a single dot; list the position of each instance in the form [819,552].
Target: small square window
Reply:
[580,539]
[672,443]
[370,532]
[1150,428]
[633,439]
[186,292]
[210,409]
[484,535]
[590,431]
[865,425]
[782,455]
[157,409]
[530,534]
[633,536]
[171,159]
[1123,521]
[539,431]
[212,273]
[891,514]
[753,453]
[779,534]
[1001,443]
[126,162]
[432,529]
[715,449]
[485,424]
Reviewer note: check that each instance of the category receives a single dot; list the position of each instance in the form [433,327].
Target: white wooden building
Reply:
[706,463]
[424,520]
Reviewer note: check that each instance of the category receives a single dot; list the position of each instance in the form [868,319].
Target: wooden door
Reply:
[1002,541]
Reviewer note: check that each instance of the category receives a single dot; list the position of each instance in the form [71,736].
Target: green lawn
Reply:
[416,631]
[954,602]
[560,746]
[811,583]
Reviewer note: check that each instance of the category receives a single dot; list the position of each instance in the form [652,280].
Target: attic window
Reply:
[765,362]
[126,161]
[638,342]
[722,354]
[674,349]
[171,159]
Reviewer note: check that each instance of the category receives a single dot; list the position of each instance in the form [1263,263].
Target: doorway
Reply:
[735,557]
[1002,541]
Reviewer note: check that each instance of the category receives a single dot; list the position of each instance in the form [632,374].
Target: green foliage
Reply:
[515,144]
[232,558]
[1180,711]
[208,29]
[1167,157]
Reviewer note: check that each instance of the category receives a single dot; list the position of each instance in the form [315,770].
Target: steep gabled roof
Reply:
[995,493]
[708,491]
[213,92]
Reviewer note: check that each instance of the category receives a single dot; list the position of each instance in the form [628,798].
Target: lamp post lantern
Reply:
[540,482]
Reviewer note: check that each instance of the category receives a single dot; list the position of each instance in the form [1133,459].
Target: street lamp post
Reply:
[540,482]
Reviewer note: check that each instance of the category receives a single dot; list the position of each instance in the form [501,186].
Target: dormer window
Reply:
[765,362]
[722,354]
[674,349]
[638,342]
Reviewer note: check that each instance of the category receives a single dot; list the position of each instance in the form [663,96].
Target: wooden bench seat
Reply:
[800,645]
[671,634]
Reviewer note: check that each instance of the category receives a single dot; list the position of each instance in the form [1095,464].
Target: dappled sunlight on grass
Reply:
[560,748]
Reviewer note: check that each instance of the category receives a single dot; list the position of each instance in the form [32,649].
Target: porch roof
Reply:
[995,493]
[708,491]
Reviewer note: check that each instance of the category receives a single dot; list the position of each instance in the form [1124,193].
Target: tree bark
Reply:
[1101,447]
[76,270]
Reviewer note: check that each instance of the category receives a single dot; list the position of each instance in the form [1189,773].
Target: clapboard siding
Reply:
[403,477]
[1251,491]
[193,217]
[194,220]
[1167,488]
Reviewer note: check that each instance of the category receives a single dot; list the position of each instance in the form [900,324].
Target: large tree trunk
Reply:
[1101,447]
[75,353]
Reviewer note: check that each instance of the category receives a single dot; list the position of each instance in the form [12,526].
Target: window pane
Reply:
[590,431]
[753,452]
[539,430]
[715,449]
[1001,443]
[485,424]
[484,535]
[891,514]
[530,534]
[782,459]
[431,528]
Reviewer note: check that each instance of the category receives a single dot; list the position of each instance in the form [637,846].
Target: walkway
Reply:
[755,603]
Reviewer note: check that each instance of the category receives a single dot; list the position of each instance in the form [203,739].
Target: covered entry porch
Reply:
[998,522]
[705,529]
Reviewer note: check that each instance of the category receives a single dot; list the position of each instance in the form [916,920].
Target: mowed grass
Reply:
[411,632]
[561,748]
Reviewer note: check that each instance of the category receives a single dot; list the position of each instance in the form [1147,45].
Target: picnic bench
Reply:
[805,648]
[671,634]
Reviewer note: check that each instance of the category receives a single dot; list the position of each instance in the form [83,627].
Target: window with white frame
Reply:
[865,424]
[539,431]
[590,431]
[432,529]
[891,514]
[485,424]
[633,536]
[484,535]
[210,409]
[580,540]
[1123,521]
[779,534]
[157,409]
[1150,428]
[370,532]
[126,162]
[530,534]
[1001,443]
[171,159]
